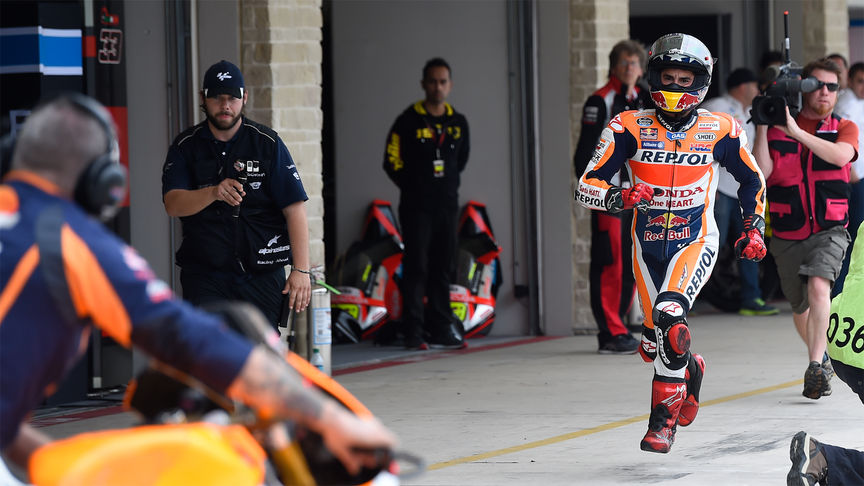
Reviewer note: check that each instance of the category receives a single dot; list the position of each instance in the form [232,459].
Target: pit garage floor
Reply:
[551,411]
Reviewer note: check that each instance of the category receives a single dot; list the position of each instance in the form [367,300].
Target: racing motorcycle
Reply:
[368,276]
[193,435]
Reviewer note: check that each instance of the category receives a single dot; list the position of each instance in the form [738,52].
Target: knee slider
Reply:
[670,318]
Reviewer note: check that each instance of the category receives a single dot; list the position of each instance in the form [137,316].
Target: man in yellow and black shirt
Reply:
[427,149]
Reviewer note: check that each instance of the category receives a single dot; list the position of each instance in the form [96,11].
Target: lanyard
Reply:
[441,131]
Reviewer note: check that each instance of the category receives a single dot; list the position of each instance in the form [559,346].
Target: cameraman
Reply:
[809,209]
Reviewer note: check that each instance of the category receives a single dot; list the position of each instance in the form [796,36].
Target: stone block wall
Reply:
[281,58]
[595,26]
[826,29]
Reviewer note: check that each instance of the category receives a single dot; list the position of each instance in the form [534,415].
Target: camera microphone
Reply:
[241,178]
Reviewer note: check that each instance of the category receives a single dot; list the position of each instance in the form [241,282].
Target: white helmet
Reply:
[680,51]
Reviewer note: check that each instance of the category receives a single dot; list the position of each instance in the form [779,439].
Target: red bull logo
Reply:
[659,99]
[672,235]
[687,100]
[648,134]
[667,220]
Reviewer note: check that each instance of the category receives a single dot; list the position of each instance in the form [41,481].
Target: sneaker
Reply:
[450,338]
[809,465]
[829,369]
[816,381]
[620,344]
[827,366]
[757,307]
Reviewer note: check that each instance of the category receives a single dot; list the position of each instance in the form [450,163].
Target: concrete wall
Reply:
[147,88]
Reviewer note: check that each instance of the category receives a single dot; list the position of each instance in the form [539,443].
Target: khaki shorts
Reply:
[820,255]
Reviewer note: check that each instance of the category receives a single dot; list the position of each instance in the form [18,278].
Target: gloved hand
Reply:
[751,245]
[638,196]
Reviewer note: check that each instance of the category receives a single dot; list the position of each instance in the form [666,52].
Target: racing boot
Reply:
[666,399]
[693,377]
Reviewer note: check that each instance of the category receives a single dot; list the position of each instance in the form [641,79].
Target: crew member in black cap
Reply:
[239,197]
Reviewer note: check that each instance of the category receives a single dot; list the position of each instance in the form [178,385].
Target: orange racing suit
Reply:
[675,241]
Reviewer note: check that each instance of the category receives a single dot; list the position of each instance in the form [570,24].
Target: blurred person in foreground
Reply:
[814,461]
[850,105]
[63,273]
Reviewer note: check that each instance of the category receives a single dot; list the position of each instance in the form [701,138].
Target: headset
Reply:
[101,187]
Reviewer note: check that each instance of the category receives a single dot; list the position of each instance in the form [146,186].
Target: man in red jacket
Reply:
[611,275]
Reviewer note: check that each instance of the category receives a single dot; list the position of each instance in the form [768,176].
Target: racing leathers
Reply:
[675,238]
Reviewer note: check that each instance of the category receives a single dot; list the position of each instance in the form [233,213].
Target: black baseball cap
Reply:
[739,77]
[223,78]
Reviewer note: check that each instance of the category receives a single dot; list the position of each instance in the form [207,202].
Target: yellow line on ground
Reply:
[599,428]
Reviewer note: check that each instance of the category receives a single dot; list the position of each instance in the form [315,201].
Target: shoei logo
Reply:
[704,137]
[223,76]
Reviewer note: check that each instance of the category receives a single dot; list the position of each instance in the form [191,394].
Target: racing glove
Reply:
[638,196]
[751,245]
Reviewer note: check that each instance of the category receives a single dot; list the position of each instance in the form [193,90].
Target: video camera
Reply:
[784,89]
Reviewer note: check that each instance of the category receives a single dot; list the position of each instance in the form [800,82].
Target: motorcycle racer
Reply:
[672,155]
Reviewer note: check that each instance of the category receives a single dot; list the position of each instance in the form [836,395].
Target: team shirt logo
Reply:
[676,135]
[654,145]
[648,133]
[701,147]
[644,122]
